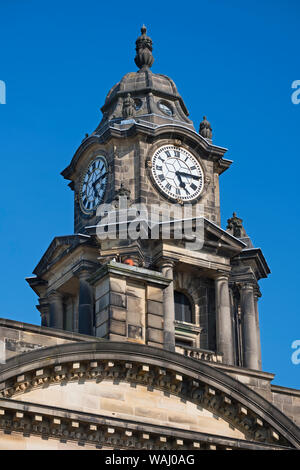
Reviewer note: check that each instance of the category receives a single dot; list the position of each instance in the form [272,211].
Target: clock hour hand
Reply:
[94,184]
[181,183]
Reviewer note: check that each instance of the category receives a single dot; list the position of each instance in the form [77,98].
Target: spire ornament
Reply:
[205,129]
[144,58]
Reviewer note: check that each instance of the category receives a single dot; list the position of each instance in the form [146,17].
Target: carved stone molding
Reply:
[254,428]
[101,431]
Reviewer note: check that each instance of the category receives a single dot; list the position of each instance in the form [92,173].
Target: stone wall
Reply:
[144,406]
[127,308]
[18,338]
[127,160]
[288,401]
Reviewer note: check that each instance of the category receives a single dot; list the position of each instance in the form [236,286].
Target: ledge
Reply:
[122,269]
[285,390]
[46,331]
[128,431]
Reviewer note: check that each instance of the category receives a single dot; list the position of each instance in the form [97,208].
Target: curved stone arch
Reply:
[190,379]
[187,136]
[189,285]
[190,297]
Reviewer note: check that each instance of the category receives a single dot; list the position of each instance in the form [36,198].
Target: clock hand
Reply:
[94,184]
[195,177]
[98,179]
[181,183]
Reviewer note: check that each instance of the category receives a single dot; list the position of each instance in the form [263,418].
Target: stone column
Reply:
[43,308]
[56,310]
[223,319]
[169,307]
[86,304]
[249,328]
[256,297]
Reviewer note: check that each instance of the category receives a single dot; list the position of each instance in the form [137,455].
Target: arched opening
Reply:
[183,307]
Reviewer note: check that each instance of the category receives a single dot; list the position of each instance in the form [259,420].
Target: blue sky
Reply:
[232,61]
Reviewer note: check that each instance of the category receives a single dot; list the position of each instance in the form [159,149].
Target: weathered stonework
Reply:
[183,378]
[147,343]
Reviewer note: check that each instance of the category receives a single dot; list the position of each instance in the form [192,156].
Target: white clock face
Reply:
[177,173]
[93,184]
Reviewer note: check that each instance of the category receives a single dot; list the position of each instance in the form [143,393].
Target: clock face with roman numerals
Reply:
[93,185]
[177,173]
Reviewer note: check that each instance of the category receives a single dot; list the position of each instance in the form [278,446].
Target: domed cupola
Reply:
[143,96]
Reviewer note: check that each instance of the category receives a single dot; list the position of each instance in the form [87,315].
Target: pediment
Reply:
[58,248]
[211,238]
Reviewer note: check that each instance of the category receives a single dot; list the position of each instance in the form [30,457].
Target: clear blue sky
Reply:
[233,61]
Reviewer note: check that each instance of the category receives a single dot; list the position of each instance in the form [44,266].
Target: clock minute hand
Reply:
[195,177]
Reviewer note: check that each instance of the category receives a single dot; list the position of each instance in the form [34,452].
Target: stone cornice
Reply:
[89,429]
[193,380]
[188,137]
[285,390]
[46,331]
[255,255]
[133,272]
[84,266]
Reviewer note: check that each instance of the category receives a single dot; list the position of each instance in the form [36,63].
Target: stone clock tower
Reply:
[163,292]
[149,339]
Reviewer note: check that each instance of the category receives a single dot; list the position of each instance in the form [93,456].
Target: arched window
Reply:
[183,308]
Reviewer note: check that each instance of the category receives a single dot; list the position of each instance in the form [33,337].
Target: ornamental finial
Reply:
[205,129]
[144,58]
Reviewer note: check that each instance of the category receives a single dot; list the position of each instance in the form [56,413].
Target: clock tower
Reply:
[189,292]
[149,310]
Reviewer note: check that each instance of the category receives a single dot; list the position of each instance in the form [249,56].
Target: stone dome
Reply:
[144,95]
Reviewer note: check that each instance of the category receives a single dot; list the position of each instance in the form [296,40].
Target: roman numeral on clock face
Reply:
[177,173]
[93,184]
